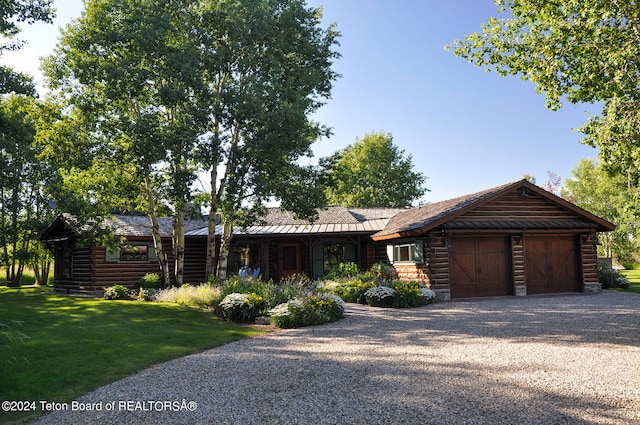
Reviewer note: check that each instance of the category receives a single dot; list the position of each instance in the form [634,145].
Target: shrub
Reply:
[116,292]
[427,296]
[610,278]
[147,294]
[384,272]
[380,296]
[623,282]
[307,311]
[352,291]
[196,296]
[407,294]
[150,281]
[344,270]
[239,307]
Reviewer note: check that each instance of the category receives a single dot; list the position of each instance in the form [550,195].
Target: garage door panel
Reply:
[551,264]
[479,267]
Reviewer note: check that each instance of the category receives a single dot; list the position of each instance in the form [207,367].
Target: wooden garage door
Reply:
[551,264]
[479,267]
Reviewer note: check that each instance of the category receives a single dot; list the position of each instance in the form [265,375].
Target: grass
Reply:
[57,348]
[634,278]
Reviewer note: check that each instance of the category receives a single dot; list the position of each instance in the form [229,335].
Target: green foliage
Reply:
[407,294]
[581,51]
[380,287]
[25,188]
[116,292]
[238,307]
[607,196]
[352,291]
[200,296]
[344,270]
[610,278]
[13,12]
[309,310]
[384,272]
[145,294]
[150,281]
[372,172]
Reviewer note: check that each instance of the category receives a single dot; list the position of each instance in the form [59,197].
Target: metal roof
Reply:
[368,226]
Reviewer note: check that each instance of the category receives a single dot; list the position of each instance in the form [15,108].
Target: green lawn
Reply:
[634,278]
[56,348]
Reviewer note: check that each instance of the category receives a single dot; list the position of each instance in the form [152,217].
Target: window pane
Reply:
[404,253]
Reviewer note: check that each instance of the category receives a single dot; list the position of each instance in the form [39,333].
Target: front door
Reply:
[289,259]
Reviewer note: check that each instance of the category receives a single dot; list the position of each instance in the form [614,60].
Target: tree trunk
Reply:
[211,228]
[178,237]
[41,271]
[163,262]
[225,243]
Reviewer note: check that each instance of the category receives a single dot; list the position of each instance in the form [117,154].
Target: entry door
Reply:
[551,264]
[289,259]
[479,267]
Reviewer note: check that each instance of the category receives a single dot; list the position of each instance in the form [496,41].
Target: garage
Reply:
[515,239]
[480,267]
[551,264]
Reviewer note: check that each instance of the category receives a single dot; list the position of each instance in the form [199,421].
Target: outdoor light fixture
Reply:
[523,193]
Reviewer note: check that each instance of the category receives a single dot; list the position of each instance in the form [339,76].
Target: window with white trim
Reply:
[406,252]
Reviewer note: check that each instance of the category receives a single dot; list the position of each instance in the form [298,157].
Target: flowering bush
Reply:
[384,272]
[239,307]
[380,296]
[407,294]
[427,296]
[307,311]
[352,291]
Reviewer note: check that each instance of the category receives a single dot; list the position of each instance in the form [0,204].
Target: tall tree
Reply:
[268,65]
[223,86]
[579,51]
[595,190]
[25,184]
[373,172]
[12,13]
[133,68]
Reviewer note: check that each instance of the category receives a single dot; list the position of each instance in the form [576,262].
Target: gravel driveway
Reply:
[563,359]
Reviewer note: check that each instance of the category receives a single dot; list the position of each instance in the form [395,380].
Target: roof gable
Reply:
[518,204]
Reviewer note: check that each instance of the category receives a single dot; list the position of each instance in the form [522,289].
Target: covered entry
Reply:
[551,264]
[480,266]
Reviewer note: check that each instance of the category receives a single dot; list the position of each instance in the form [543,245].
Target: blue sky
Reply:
[466,129]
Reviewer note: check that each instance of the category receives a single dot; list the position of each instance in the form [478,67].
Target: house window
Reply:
[134,253]
[403,253]
[329,255]
[406,252]
[333,256]
[131,253]
[63,260]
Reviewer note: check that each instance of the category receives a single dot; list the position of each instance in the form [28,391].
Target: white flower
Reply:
[233,300]
[339,301]
[379,292]
[428,296]
[284,309]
